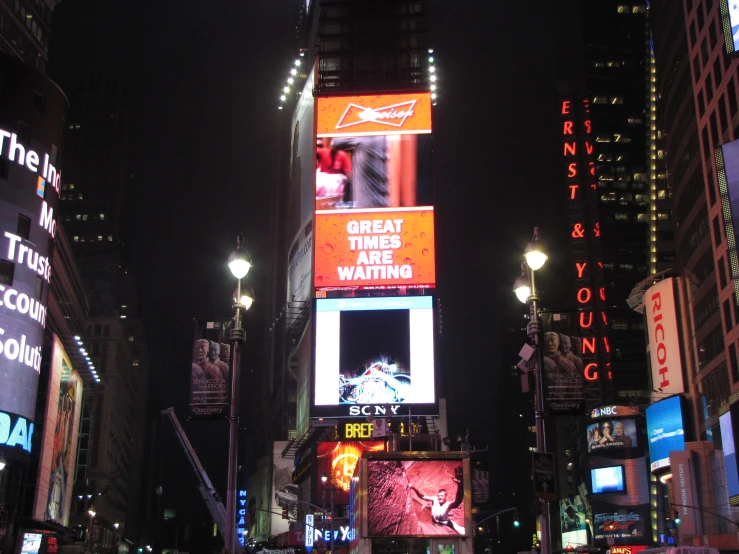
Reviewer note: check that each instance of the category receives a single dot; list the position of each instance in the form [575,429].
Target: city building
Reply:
[344,48]
[93,200]
[25,30]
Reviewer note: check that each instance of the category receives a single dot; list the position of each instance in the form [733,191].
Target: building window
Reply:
[24,227]
[80,196]
[76,238]
[102,217]
[84,217]
[727,316]
[722,272]
[622,217]
[7,272]
[135,363]
[71,186]
[39,102]
[110,238]
[663,216]
[130,338]
[4,167]
[716,232]
[617,100]
[733,362]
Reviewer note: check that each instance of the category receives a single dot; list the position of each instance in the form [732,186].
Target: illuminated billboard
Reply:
[373,115]
[572,521]
[284,492]
[59,446]
[210,370]
[337,461]
[374,219]
[728,446]
[416,498]
[377,171]
[727,171]
[620,433]
[730,24]
[375,249]
[374,356]
[302,159]
[299,265]
[666,431]
[664,339]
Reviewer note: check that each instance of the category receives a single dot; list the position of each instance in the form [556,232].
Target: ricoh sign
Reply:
[664,339]
[27,230]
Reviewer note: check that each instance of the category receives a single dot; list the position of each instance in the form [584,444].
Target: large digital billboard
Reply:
[374,220]
[666,431]
[572,521]
[337,461]
[730,24]
[210,370]
[59,447]
[620,433]
[726,421]
[416,498]
[727,171]
[664,339]
[374,356]
[375,249]
[284,492]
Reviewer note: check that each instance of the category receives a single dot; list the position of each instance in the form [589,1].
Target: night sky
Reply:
[206,77]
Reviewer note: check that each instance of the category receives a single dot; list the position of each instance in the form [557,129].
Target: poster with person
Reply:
[620,433]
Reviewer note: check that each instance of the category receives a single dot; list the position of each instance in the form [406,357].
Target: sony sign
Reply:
[664,340]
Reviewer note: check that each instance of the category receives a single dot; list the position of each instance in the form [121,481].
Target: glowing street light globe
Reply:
[239,262]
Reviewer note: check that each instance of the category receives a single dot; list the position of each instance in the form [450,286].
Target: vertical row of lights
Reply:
[291,79]
[83,351]
[432,76]
[652,161]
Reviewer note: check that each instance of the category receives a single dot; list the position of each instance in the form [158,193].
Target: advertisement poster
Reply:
[284,492]
[337,461]
[378,171]
[626,524]
[727,170]
[729,449]
[620,433]
[415,498]
[373,351]
[572,521]
[374,115]
[59,447]
[375,249]
[210,372]
[664,339]
[666,431]
[299,266]
[302,159]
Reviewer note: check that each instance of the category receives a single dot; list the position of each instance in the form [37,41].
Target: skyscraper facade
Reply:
[25,30]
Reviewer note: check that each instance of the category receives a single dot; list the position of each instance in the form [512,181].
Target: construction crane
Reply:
[209,494]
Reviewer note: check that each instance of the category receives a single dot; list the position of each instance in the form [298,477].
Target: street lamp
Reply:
[324,479]
[239,262]
[525,289]
[91,511]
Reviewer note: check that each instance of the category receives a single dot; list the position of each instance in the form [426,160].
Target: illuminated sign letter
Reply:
[580,268]
[589,322]
[583,295]
[568,128]
[570,148]
[565,107]
[572,170]
[588,344]
[591,372]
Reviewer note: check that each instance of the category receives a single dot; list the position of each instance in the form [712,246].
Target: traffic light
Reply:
[516,521]
[284,513]
[677,518]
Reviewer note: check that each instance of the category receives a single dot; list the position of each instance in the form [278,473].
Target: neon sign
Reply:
[15,431]
[18,153]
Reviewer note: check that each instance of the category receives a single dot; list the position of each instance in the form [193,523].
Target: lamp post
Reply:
[525,289]
[324,479]
[239,263]
[92,513]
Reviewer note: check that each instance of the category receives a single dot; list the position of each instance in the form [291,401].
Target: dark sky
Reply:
[206,76]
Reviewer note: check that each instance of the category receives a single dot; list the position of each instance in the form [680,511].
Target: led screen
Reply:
[377,171]
[337,461]
[727,441]
[730,24]
[374,250]
[417,498]
[665,429]
[607,479]
[31,543]
[373,356]
[619,433]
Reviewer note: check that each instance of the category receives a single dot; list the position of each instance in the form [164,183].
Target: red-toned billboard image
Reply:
[373,115]
[379,171]
[415,498]
[374,249]
[338,460]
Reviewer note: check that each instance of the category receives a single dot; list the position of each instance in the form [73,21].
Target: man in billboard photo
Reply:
[554,361]
[214,356]
[565,347]
[333,174]
[614,435]
[208,385]
[442,504]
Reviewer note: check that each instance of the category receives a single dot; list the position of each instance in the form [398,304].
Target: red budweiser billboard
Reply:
[374,220]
